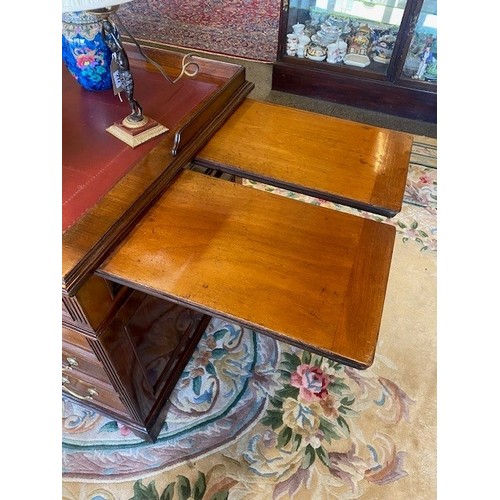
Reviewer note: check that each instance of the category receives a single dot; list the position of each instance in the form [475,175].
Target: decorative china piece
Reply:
[298,28]
[339,22]
[426,57]
[336,52]
[360,41]
[292,44]
[327,34]
[381,50]
[317,15]
[304,40]
[315,52]
[359,60]
[310,29]
[431,71]
[84,51]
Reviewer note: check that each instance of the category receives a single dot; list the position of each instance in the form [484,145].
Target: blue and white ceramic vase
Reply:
[84,51]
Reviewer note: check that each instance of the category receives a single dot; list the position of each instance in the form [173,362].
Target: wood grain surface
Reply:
[308,275]
[338,160]
[100,224]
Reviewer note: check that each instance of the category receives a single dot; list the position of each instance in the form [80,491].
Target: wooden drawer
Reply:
[76,339]
[78,358]
[74,362]
[95,394]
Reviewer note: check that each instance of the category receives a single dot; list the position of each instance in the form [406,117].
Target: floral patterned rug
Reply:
[254,418]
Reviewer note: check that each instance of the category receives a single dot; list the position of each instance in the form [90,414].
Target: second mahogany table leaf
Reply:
[346,162]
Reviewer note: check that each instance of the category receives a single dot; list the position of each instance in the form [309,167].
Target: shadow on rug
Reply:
[253,418]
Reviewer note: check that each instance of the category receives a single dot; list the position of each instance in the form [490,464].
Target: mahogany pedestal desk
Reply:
[122,350]
[165,248]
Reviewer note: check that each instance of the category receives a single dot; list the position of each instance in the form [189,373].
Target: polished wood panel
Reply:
[343,161]
[144,350]
[75,339]
[311,276]
[93,305]
[396,98]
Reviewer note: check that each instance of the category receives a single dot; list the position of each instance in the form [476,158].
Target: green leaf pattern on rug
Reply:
[313,430]
[311,407]
[183,488]
[413,232]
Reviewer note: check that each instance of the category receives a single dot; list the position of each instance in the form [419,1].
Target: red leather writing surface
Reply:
[92,159]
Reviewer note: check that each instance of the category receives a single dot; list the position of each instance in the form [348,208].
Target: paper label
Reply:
[116,77]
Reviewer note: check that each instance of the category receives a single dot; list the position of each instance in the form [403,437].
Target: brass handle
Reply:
[92,392]
[72,363]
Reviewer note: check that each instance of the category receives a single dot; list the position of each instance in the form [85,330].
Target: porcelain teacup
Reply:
[298,28]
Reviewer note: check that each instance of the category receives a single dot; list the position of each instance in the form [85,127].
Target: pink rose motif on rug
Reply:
[312,423]
[311,382]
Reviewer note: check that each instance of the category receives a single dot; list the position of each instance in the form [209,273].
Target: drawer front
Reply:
[78,358]
[94,394]
[76,339]
[74,362]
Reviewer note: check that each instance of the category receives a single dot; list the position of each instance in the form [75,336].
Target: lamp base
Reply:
[134,134]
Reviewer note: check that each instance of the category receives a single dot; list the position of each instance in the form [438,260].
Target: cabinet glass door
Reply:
[358,33]
[421,59]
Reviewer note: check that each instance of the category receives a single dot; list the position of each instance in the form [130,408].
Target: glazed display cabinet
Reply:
[379,55]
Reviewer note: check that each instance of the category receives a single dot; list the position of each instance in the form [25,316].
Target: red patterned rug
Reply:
[247,28]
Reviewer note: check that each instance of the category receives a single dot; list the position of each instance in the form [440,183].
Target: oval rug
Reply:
[219,394]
